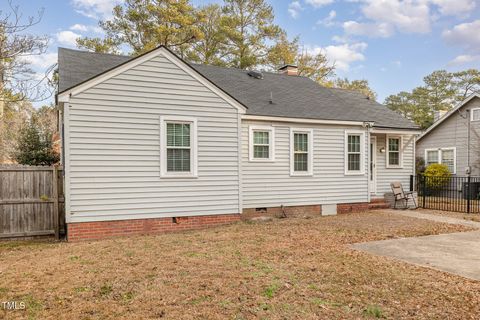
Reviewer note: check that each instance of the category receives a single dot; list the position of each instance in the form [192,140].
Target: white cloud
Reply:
[343,55]
[67,38]
[464,59]
[381,30]
[85,28]
[454,7]
[294,9]
[406,16]
[96,9]
[329,20]
[319,3]
[466,35]
[42,61]
[79,27]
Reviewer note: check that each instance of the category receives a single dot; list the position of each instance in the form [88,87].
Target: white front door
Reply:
[373,165]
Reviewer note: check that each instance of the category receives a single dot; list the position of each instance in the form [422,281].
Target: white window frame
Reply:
[472,111]
[440,156]
[426,155]
[271,143]
[400,152]
[193,173]
[309,171]
[362,152]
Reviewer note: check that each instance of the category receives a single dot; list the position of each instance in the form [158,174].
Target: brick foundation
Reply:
[278,212]
[352,207]
[82,231]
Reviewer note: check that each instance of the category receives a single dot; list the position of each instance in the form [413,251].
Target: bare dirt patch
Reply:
[459,215]
[284,269]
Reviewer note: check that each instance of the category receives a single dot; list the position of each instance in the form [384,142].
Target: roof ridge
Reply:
[97,53]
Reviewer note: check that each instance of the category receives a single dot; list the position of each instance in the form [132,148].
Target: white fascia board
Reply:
[301,120]
[396,131]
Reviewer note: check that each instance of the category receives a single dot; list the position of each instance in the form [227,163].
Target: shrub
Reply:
[419,165]
[35,146]
[437,176]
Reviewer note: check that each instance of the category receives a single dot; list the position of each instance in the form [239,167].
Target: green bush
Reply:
[437,175]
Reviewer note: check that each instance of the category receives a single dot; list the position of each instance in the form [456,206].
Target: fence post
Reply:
[424,190]
[56,223]
[411,182]
[469,193]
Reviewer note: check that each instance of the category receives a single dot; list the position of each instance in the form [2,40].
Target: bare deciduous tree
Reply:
[18,81]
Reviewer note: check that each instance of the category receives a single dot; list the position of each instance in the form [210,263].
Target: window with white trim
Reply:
[476,114]
[394,152]
[354,152]
[178,147]
[261,143]
[301,151]
[446,156]
[431,157]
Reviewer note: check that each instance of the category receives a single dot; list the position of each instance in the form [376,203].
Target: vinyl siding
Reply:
[114,147]
[269,184]
[453,132]
[385,175]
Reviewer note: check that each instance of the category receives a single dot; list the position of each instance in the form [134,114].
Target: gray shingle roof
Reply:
[296,97]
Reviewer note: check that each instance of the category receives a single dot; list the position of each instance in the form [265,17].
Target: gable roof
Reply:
[448,114]
[292,96]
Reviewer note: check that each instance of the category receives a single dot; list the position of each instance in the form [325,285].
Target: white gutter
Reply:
[301,120]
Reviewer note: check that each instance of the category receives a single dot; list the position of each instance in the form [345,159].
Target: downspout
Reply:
[368,126]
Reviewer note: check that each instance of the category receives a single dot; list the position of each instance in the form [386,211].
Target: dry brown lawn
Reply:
[293,268]
[459,215]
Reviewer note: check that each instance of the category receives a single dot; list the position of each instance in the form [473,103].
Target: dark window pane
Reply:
[354,162]
[178,135]
[260,152]
[394,158]
[300,142]
[393,144]
[260,137]
[300,162]
[353,143]
[178,160]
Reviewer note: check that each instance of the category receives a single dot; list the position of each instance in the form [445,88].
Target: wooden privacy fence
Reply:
[31,201]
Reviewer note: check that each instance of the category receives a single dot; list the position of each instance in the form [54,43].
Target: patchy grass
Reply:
[285,269]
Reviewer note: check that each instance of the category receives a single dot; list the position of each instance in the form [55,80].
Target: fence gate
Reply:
[459,194]
[31,201]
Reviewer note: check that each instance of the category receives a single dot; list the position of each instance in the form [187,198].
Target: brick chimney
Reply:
[289,70]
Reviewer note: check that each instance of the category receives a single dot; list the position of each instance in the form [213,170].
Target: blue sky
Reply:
[391,43]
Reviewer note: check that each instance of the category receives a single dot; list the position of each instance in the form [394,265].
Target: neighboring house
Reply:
[446,141]
[153,143]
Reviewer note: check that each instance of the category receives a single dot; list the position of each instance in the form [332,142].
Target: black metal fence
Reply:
[460,194]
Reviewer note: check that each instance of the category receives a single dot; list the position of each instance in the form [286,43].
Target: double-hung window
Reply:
[262,142]
[476,114]
[394,151]
[446,156]
[431,156]
[301,151]
[178,147]
[354,152]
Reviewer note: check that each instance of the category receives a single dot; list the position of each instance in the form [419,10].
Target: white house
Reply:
[154,144]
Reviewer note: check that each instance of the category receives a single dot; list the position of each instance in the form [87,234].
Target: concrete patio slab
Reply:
[457,253]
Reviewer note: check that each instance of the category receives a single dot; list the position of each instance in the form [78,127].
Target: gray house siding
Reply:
[269,184]
[453,133]
[385,175]
[113,132]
